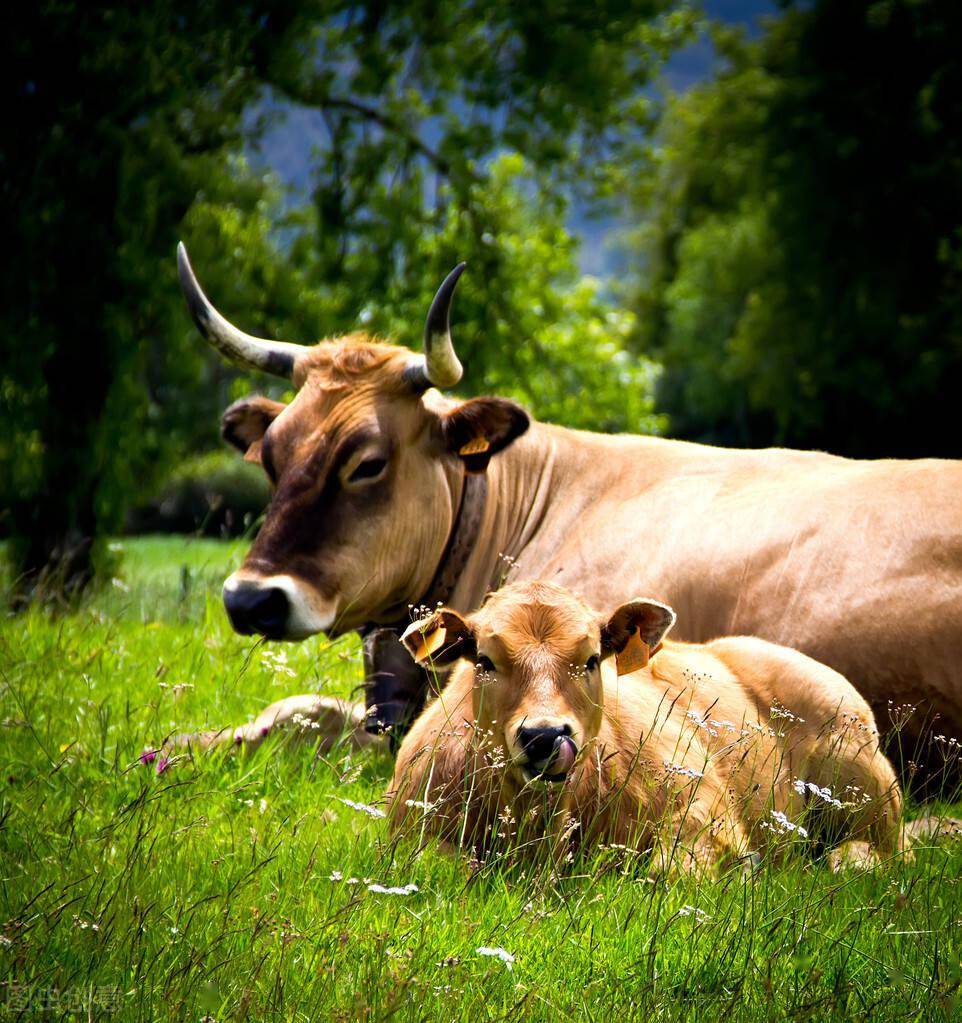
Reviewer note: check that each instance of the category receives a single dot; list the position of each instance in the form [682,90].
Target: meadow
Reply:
[264,886]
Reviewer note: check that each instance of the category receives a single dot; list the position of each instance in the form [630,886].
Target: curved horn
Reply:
[441,367]
[276,357]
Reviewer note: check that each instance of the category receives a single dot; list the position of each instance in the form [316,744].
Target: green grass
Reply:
[207,890]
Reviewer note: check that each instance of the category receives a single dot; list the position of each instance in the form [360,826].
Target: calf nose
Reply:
[257,609]
[539,745]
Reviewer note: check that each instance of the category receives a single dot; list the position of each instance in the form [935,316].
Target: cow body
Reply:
[857,564]
[706,754]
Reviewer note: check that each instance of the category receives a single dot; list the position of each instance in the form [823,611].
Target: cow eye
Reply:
[369,469]
[485,665]
[593,661]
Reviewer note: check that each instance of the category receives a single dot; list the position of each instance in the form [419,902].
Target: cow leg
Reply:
[326,720]
[697,843]
[930,830]
[853,855]
[395,686]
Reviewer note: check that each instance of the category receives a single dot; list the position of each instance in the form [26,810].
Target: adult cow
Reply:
[387,493]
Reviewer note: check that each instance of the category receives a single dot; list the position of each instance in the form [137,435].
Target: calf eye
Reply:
[485,665]
[593,661]
[369,469]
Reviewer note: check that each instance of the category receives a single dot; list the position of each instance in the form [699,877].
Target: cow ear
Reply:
[440,639]
[635,631]
[245,422]
[481,427]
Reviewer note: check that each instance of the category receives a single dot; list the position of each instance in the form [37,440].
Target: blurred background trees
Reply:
[802,235]
[787,230]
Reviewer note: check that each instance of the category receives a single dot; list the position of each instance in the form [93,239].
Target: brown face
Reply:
[537,652]
[538,678]
[366,473]
[537,688]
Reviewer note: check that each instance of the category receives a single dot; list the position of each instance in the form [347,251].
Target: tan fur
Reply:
[345,386]
[858,564]
[751,718]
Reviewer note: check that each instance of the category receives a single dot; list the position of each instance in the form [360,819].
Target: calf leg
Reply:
[863,777]
[705,838]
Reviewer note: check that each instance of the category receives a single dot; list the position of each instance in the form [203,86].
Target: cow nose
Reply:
[257,609]
[541,746]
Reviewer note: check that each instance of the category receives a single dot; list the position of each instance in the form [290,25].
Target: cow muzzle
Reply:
[275,607]
[257,610]
[547,753]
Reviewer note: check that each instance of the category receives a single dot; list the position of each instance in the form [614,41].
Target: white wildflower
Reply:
[304,723]
[380,889]
[699,914]
[276,661]
[825,794]
[498,953]
[701,722]
[680,769]
[421,804]
[783,825]
[336,875]
[778,711]
[176,688]
[371,811]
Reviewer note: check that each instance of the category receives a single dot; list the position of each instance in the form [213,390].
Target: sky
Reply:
[694,63]
[287,144]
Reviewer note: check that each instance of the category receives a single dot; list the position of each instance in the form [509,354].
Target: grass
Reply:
[219,889]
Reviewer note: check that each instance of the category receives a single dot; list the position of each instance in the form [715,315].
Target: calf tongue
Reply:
[563,757]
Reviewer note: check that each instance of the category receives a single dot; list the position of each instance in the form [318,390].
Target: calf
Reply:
[563,725]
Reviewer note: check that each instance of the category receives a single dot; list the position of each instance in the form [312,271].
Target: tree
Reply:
[123,128]
[803,242]
[418,102]
[114,112]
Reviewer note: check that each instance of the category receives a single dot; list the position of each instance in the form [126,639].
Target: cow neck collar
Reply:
[460,543]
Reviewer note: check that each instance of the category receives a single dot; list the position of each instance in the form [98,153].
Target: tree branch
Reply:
[391,125]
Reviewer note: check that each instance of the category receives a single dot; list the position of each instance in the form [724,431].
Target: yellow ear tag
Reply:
[431,643]
[634,657]
[476,446]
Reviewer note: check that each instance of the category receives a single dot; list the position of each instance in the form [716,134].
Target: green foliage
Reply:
[801,238]
[216,494]
[117,114]
[526,324]
[107,385]
[222,887]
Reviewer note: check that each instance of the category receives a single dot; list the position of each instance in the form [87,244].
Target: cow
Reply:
[564,729]
[388,494]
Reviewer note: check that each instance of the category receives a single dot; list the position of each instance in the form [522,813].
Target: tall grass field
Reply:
[265,886]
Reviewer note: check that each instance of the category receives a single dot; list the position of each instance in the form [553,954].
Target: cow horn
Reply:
[441,366]
[275,357]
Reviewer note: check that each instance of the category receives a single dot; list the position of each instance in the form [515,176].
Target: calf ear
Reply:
[440,639]
[245,422]
[634,632]
[481,427]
